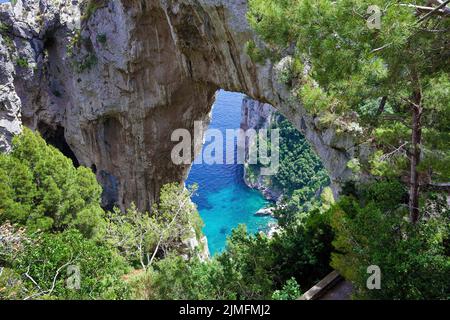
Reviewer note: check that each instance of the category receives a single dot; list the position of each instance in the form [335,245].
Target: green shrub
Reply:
[22,62]
[251,267]
[42,190]
[254,52]
[290,291]
[47,258]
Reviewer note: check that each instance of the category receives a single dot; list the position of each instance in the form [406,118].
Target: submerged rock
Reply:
[265,212]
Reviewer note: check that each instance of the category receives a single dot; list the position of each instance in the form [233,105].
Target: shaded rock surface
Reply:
[112,80]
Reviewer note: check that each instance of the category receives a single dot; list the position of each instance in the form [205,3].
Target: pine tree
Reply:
[394,76]
[42,190]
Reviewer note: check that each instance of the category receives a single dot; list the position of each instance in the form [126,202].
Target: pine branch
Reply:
[429,14]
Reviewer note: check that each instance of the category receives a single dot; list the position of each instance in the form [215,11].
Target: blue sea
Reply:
[223,199]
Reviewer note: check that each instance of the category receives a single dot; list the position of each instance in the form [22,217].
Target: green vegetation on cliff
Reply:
[42,190]
[140,255]
[301,177]
[52,226]
[251,267]
[300,168]
[134,254]
[388,86]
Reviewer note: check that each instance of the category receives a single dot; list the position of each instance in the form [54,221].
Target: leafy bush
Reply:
[178,279]
[290,291]
[141,237]
[11,286]
[45,262]
[254,52]
[22,62]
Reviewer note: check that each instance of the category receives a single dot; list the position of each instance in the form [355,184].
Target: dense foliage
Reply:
[52,225]
[251,267]
[46,260]
[141,256]
[136,254]
[372,229]
[140,237]
[42,190]
[301,177]
[388,83]
[301,170]
[387,86]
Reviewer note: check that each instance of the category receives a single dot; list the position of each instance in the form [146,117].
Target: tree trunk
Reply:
[416,140]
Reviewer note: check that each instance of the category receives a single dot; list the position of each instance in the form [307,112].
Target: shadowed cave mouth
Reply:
[224,196]
[55,137]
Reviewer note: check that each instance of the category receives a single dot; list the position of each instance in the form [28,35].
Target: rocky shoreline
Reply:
[263,185]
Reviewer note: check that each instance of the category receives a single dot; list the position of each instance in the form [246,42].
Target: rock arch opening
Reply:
[157,67]
[232,192]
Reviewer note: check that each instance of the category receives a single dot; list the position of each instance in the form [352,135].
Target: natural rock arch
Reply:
[141,70]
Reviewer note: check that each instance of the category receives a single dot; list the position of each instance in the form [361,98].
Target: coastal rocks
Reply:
[112,80]
[264,212]
[198,246]
[273,229]
[256,115]
[263,184]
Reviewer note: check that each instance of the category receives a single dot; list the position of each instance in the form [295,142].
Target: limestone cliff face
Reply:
[109,81]
[257,115]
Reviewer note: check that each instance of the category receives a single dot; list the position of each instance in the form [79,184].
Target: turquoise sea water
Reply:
[223,200]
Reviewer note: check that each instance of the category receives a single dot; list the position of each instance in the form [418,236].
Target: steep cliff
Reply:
[257,115]
[108,82]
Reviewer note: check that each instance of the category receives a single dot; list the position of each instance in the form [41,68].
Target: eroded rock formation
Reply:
[110,81]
